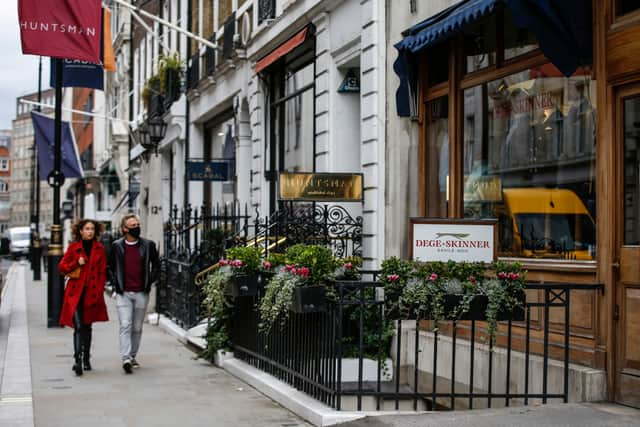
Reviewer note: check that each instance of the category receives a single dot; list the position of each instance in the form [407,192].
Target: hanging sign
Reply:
[320,187]
[208,171]
[68,29]
[459,240]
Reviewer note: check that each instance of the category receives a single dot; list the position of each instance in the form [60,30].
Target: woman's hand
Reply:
[81,261]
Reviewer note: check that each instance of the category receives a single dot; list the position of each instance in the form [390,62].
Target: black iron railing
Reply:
[194,239]
[193,71]
[451,369]
[210,57]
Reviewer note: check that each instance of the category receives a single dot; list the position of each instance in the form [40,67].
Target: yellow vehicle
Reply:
[546,223]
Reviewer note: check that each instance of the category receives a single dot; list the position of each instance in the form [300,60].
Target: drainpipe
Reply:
[187,112]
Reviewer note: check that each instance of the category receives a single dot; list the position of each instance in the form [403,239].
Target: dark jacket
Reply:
[150,264]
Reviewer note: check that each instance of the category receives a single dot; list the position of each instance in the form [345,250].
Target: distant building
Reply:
[5,178]
[22,195]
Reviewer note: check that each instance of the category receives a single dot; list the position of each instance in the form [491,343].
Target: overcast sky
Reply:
[18,72]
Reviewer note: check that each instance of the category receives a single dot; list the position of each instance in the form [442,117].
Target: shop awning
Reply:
[445,24]
[563,29]
[282,50]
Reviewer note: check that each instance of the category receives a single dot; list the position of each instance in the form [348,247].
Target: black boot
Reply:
[86,347]
[77,351]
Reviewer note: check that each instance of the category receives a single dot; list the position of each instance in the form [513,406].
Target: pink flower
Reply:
[514,276]
[472,279]
[223,262]
[266,265]
[433,277]
[393,277]
[289,267]
[303,271]
[348,266]
[293,270]
[236,263]
[502,275]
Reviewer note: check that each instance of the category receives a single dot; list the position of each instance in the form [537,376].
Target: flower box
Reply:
[477,307]
[309,299]
[243,285]
[518,313]
[264,277]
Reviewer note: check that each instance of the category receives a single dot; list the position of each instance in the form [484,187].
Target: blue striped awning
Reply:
[445,24]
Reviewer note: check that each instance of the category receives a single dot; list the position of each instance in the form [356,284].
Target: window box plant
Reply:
[245,264]
[300,285]
[454,291]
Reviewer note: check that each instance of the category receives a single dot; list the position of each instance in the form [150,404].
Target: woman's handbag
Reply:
[75,274]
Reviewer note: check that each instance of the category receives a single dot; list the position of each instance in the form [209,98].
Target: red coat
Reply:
[92,279]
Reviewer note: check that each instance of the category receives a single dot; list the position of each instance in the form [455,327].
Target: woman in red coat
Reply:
[83,301]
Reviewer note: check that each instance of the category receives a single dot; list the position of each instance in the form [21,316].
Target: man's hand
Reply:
[81,261]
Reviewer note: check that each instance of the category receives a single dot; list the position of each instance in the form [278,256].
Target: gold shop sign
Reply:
[320,187]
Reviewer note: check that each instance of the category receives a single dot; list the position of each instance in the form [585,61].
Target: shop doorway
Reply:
[626,311]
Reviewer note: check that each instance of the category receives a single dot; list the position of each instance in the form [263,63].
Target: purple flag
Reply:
[43,129]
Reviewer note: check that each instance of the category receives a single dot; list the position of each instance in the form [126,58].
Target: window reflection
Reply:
[529,162]
[480,44]
[517,41]
[294,122]
[626,6]
[437,157]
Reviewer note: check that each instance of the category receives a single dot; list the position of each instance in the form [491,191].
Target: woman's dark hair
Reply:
[77,226]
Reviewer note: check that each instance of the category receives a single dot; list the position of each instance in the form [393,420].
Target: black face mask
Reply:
[134,232]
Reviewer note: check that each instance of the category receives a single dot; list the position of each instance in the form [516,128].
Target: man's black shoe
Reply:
[126,365]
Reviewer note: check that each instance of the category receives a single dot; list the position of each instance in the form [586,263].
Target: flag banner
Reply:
[43,128]
[109,57]
[78,74]
[69,29]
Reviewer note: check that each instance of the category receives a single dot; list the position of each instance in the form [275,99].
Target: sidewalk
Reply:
[172,387]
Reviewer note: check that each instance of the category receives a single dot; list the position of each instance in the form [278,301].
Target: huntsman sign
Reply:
[453,240]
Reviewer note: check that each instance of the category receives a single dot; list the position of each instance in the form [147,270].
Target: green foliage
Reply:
[391,267]
[152,85]
[318,259]
[277,299]
[250,257]
[276,259]
[372,341]
[217,310]
[217,338]
[172,62]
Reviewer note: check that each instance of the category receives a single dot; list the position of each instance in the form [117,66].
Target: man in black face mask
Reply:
[134,266]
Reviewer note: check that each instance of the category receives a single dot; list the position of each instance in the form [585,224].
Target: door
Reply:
[628,287]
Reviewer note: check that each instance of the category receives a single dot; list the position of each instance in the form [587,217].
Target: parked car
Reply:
[19,241]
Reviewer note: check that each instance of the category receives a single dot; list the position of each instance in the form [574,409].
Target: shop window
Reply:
[480,44]
[291,114]
[293,121]
[624,7]
[298,125]
[528,160]
[438,60]
[632,171]
[437,167]
[517,41]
